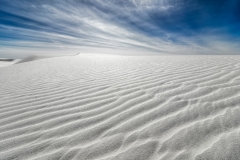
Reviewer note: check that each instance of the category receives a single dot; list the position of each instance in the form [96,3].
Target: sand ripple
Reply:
[119,107]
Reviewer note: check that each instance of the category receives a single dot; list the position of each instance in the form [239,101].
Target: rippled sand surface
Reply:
[121,108]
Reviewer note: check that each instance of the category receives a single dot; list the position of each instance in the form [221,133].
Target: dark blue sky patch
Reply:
[20,21]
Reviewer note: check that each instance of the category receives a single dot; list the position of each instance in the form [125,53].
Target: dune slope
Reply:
[121,108]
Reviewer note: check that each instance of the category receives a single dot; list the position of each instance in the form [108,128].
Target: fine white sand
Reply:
[33,58]
[121,108]
[4,62]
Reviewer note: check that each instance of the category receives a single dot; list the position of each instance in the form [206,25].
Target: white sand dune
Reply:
[32,58]
[4,62]
[121,108]
[38,57]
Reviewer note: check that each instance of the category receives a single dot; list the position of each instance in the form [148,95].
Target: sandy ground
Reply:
[4,62]
[8,63]
[121,108]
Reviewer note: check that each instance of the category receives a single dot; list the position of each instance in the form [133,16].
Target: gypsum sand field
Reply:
[121,108]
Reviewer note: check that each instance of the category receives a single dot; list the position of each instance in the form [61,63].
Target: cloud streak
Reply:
[122,27]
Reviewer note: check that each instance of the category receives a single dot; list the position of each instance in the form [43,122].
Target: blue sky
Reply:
[119,27]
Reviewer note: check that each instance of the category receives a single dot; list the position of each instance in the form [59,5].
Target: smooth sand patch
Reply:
[4,62]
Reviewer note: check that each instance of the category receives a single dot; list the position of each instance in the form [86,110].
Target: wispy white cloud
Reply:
[134,26]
